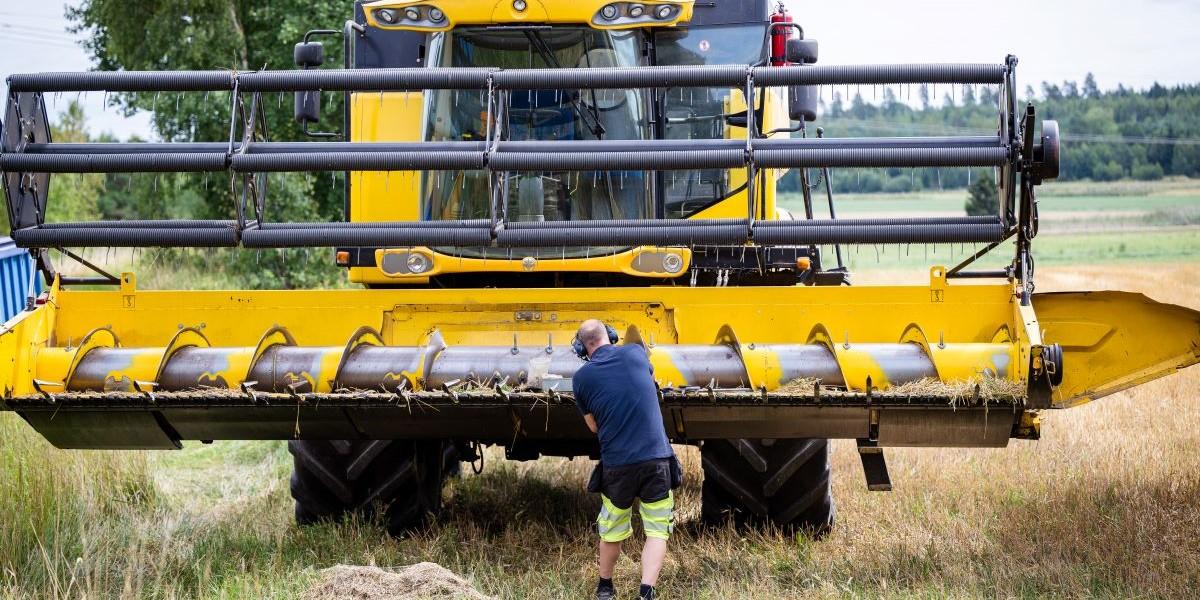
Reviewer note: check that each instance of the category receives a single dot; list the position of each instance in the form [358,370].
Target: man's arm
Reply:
[590,419]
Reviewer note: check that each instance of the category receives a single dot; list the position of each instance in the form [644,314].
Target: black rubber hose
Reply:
[365,147]
[621,78]
[130,148]
[328,237]
[515,79]
[882,157]
[466,224]
[624,223]
[359,161]
[964,73]
[365,80]
[123,81]
[633,236]
[622,161]
[112,163]
[169,237]
[964,141]
[882,221]
[879,234]
[160,224]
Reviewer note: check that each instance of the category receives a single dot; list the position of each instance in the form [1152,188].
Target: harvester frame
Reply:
[763,373]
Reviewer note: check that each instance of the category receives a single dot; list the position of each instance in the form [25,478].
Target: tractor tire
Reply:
[773,482]
[398,481]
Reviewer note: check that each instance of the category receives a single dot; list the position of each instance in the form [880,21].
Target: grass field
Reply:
[1105,505]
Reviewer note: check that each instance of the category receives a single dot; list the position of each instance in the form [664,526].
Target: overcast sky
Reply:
[1131,42]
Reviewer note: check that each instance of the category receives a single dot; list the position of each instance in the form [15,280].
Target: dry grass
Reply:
[968,392]
[1105,505]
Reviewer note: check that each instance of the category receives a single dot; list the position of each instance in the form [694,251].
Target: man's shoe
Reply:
[606,592]
[646,593]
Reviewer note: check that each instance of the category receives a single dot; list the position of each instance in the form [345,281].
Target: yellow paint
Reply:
[665,371]
[386,117]
[1115,340]
[542,12]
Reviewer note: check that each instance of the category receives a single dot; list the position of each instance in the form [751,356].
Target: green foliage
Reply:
[74,196]
[1105,134]
[1147,171]
[982,197]
[1109,171]
[216,34]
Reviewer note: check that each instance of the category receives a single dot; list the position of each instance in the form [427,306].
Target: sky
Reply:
[1130,42]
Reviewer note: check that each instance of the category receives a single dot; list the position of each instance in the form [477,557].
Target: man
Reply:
[618,398]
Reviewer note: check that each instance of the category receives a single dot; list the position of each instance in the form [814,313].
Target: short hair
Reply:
[592,332]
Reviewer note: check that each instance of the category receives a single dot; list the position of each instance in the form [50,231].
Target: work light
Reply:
[387,15]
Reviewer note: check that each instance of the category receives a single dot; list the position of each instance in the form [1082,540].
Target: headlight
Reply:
[672,263]
[387,15]
[436,15]
[664,12]
[418,263]
[413,14]
[519,5]
[637,10]
[609,12]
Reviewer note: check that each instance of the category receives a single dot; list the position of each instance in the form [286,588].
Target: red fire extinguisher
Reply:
[780,34]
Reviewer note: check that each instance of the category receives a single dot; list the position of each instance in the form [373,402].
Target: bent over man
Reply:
[618,398]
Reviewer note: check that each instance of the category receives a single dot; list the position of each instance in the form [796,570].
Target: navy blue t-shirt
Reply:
[617,387]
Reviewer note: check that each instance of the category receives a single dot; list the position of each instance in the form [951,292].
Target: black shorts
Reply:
[648,481]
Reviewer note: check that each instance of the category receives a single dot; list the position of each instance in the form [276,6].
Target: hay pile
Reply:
[799,386]
[423,581]
[974,391]
[958,393]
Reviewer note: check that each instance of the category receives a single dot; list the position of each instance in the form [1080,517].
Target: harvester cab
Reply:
[512,169]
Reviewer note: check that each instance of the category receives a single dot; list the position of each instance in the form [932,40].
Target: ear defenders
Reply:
[581,351]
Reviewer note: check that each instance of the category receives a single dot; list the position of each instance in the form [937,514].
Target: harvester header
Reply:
[513,169]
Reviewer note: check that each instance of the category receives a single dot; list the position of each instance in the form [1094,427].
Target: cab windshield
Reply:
[543,115]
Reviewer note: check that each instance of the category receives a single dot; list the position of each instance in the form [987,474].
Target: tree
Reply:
[218,34]
[1090,89]
[73,197]
[924,95]
[982,196]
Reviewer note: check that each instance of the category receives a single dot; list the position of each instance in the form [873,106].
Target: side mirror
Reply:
[803,101]
[308,55]
[801,51]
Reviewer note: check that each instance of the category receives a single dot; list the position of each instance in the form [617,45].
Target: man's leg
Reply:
[658,519]
[614,525]
[609,553]
[653,554]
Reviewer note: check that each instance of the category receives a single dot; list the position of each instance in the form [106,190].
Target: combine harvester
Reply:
[513,168]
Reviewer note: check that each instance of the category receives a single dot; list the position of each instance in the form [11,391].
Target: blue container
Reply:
[16,267]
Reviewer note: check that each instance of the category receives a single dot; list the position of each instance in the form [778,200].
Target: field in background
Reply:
[1103,506]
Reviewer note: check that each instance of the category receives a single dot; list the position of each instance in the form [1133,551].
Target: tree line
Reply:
[1107,135]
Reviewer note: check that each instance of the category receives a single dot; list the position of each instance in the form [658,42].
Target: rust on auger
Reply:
[569,160]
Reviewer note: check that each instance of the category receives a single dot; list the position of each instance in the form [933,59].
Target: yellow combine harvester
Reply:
[514,168]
